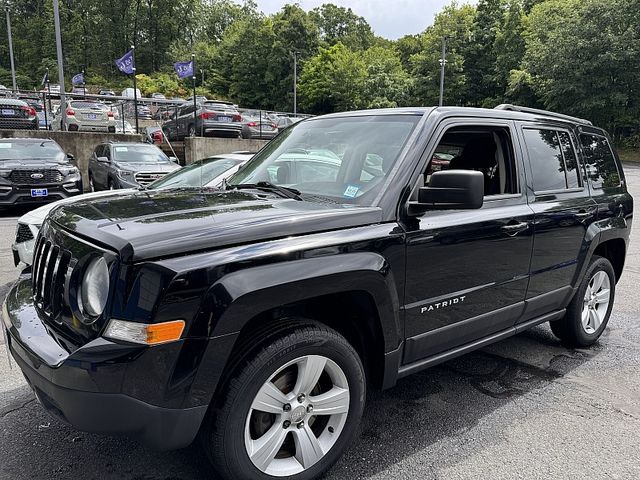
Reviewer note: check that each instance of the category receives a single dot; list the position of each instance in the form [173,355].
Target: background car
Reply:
[108,93]
[36,170]
[38,106]
[127,165]
[199,99]
[17,114]
[258,127]
[86,116]
[212,118]
[440,161]
[207,173]
[153,135]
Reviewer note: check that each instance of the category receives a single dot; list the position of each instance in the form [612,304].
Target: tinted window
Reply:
[570,160]
[547,161]
[138,154]
[600,162]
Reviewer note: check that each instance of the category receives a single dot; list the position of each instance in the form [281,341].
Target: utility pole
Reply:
[202,74]
[63,106]
[295,83]
[13,67]
[195,102]
[443,62]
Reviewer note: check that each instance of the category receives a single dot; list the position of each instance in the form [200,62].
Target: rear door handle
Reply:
[584,215]
[513,229]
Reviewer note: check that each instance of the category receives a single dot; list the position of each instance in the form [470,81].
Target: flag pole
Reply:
[135,87]
[195,103]
[44,97]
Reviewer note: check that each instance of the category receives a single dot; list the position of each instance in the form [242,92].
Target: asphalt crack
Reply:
[11,409]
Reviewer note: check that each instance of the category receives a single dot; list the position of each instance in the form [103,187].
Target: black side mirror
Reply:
[450,190]
[70,157]
[103,159]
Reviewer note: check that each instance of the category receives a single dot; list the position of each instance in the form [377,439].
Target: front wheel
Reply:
[588,313]
[291,410]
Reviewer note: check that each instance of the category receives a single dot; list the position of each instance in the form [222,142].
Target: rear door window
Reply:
[602,169]
[552,158]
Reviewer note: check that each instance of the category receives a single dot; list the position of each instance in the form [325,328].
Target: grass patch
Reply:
[629,155]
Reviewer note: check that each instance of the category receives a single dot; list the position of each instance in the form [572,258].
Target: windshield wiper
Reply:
[286,192]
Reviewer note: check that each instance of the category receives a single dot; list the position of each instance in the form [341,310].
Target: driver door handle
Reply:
[513,229]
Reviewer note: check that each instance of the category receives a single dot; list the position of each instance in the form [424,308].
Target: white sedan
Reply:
[209,172]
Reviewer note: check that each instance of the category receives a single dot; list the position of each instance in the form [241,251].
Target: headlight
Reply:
[95,287]
[69,171]
[5,173]
[124,173]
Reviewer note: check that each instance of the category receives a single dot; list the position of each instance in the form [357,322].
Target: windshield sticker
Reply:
[351,191]
[121,149]
[5,145]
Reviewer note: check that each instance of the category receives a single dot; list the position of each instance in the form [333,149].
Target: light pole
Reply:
[63,106]
[295,83]
[443,62]
[202,74]
[13,67]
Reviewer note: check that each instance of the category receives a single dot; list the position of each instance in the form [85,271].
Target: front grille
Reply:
[35,177]
[23,233]
[50,267]
[145,178]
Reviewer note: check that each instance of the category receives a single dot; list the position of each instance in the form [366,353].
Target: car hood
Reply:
[153,224]
[33,163]
[37,216]
[148,167]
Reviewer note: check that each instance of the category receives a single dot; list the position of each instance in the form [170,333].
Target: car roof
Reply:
[506,112]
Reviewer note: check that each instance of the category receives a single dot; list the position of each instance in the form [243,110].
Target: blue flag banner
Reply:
[78,79]
[184,69]
[126,64]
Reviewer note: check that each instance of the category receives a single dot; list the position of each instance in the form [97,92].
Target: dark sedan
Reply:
[17,114]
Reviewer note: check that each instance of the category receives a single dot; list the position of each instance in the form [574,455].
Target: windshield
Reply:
[345,158]
[196,174]
[22,150]
[138,154]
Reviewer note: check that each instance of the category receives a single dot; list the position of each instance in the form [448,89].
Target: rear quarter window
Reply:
[600,162]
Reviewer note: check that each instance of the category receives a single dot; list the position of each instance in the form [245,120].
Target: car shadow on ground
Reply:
[15,212]
[422,409]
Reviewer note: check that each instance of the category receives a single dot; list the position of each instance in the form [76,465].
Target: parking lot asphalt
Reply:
[525,408]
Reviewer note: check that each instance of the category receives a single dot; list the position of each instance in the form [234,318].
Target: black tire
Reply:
[223,432]
[570,329]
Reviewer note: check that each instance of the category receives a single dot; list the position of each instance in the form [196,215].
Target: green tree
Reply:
[339,24]
[584,59]
[334,80]
[455,23]
[387,84]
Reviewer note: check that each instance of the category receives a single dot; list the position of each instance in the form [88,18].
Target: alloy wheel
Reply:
[297,416]
[596,302]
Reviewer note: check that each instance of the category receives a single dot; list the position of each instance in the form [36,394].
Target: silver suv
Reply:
[86,116]
[127,165]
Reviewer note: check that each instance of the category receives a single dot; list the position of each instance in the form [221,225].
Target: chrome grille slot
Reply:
[145,178]
[50,269]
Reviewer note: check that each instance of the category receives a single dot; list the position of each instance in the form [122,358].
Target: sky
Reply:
[391,19]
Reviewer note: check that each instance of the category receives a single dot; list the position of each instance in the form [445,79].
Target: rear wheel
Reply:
[290,410]
[589,311]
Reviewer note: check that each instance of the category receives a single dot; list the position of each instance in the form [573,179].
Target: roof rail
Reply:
[546,113]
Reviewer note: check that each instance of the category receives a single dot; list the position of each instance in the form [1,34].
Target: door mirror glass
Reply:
[450,190]
[173,159]
[70,157]
[103,159]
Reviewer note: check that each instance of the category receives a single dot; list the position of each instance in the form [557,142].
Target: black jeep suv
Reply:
[36,170]
[336,259]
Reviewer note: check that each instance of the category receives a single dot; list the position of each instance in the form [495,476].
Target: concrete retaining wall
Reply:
[78,144]
[196,148]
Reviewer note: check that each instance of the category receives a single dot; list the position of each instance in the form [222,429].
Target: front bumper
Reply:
[21,194]
[82,387]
